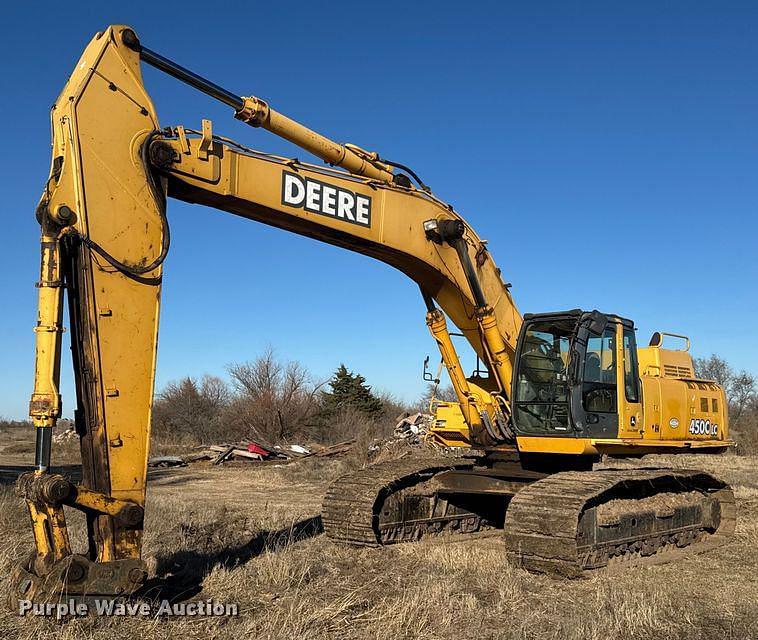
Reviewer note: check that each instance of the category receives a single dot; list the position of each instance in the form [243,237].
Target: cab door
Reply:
[595,408]
[631,419]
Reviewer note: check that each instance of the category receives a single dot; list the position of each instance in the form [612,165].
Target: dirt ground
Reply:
[249,534]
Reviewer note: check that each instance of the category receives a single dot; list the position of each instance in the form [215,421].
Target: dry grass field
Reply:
[249,534]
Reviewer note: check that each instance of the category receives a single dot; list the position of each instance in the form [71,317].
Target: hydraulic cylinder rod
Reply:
[435,320]
[257,113]
[156,60]
[45,405]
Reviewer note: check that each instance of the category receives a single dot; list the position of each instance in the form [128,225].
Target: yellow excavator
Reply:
[554,391]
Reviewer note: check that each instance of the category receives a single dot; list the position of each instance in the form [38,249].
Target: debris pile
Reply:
[67,435]
[410,430]
[413,428]
[248,450]
[244,450]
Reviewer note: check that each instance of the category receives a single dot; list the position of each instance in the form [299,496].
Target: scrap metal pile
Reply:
[250,451]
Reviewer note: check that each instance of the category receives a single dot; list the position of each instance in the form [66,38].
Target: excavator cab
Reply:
[567,380]
[581,386]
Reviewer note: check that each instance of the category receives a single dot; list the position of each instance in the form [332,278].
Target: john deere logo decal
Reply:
[325,199]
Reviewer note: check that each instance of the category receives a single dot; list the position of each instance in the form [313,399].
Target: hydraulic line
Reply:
[137,272]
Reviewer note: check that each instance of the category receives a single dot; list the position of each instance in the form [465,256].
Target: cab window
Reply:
[631,378]
[541,391]
[599,382]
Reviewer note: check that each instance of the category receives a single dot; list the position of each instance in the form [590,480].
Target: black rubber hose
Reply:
[136,272]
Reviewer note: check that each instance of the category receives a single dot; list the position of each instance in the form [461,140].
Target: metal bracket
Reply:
[183,142]
[206,141]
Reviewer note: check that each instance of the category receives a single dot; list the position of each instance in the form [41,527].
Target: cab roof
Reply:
[577,313]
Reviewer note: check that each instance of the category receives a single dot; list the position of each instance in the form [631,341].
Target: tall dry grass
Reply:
[289,585]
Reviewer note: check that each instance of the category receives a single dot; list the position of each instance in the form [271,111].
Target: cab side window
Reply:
[631,376]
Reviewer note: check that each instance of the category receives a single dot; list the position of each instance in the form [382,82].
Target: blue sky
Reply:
[606,150]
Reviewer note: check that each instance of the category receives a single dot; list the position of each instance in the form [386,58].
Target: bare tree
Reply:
[215,391]
[394,408]
[740,387]
[190,409]
[743,393]
[275,400]
[714,368]
[438,392]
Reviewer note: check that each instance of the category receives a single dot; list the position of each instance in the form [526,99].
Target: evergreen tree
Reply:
[349,391]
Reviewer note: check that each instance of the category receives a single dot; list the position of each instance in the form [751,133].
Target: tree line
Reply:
[741,388]
[272,401]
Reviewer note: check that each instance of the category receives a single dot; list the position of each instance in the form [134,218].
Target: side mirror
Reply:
[428,376]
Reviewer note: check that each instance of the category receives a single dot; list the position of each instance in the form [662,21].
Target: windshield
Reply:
[541,393]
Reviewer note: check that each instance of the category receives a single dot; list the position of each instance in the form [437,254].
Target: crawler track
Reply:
[352,504]
[562,524]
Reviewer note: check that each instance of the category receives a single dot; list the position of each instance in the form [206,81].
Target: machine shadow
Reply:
[188,581]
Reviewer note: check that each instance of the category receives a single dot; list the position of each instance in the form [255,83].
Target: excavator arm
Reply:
[105,236]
